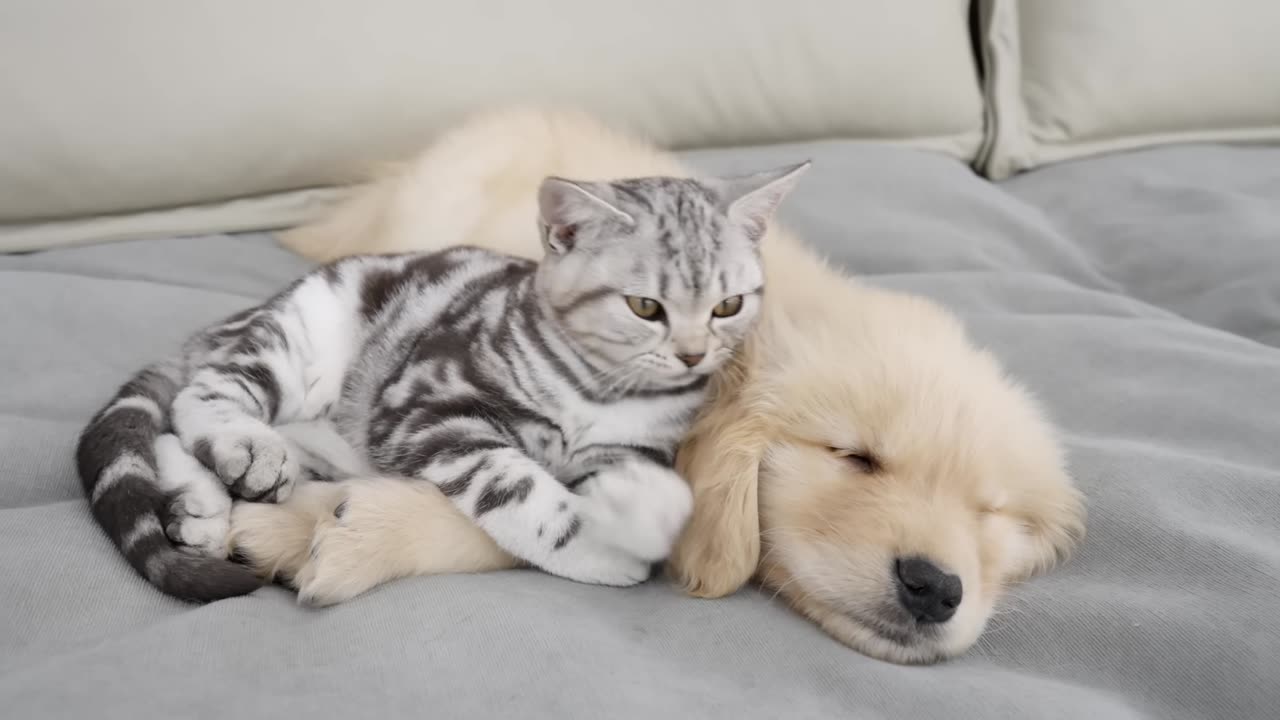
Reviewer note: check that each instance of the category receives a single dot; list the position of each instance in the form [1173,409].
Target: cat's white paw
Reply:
[198,517]
[202,501]
[586,560]
[639,509]
[250,458]
[200,535]
[199,521]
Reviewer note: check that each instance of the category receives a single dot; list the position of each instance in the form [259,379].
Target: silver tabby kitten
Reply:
[546,400]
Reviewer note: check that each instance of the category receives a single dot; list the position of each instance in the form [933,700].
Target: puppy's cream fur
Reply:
[969,473]
[389,528]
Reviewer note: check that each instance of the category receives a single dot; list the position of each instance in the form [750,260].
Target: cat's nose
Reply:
[691,360]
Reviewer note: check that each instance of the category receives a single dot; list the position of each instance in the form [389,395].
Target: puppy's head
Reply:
[878,472]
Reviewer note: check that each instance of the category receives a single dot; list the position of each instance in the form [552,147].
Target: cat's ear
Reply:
[750,200]
[565,205]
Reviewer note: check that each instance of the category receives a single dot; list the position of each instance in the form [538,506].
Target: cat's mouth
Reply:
[690,377]
[704,365]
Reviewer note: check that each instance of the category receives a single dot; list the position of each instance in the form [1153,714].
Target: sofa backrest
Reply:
[228,109]
[156,117]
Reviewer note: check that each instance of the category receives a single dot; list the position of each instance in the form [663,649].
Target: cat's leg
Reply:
[336,541]
[529,513]
[280,363]
[199,513]
[222,418]
[386,531]
[379,529]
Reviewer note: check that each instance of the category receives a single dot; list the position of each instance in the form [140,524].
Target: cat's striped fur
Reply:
[536,396]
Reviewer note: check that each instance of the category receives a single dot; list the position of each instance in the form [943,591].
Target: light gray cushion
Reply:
[1139,296]
[1078,78]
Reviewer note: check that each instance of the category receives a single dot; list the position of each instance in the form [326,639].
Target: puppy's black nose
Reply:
[925,591]
[691,360]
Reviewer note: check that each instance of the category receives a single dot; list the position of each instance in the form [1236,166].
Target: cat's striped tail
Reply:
[116,459]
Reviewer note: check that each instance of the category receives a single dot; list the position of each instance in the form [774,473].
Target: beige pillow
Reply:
[1068,78]
[115,108]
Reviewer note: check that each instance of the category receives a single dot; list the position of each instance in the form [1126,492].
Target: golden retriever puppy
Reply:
[860,457]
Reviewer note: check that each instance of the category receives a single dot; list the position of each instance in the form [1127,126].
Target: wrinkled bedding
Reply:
[1137,294]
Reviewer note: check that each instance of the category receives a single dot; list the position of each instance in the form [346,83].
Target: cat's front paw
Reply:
[640,510]
[587,560]
[251,459]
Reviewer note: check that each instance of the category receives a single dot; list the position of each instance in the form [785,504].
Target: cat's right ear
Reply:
[565,205]
[752,199]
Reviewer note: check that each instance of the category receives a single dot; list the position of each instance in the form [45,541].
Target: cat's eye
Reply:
[861,460]
[728,307]
[644,307]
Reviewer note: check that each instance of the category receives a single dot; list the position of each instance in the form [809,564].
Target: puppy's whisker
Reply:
[783,587]
[764,559]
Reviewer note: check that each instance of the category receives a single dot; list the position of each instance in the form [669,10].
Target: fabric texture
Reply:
[174,104]
[1070,79]
[1137,295]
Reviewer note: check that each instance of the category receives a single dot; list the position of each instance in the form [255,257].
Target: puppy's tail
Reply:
[477,184]
[359,223]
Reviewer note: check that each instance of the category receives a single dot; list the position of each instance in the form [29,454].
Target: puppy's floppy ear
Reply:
[1054,519]
[1043,498]
[719,550]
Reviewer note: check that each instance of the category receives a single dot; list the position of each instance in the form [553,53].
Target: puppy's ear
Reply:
[719,550]
[1054,520]
[1043,498]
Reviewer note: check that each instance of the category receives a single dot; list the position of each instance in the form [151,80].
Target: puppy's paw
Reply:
[640,510]
[342,562]
[250,458]
[275,539]
[379,529]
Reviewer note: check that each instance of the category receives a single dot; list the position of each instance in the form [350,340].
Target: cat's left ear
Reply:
[564,206]
[750,200]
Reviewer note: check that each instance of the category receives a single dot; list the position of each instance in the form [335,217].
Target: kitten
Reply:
[545,399]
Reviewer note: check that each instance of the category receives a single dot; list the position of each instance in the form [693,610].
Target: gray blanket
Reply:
[1138,295]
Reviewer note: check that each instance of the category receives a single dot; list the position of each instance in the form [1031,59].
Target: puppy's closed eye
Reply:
[862,460]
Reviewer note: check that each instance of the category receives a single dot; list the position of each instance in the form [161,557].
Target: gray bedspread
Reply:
[1138,295]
